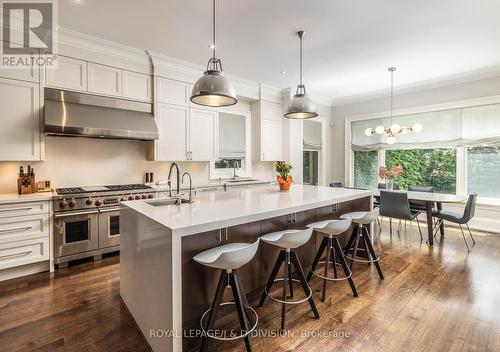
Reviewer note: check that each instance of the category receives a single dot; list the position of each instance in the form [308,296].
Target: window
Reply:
[483,170]
[425,167]
[366,169]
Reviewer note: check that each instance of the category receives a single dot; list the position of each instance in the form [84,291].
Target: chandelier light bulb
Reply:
[404,130]
[379,129]
[395,128]
[368,132]
[391,140]
[417,128]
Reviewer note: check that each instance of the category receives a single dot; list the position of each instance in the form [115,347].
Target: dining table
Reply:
[430,199]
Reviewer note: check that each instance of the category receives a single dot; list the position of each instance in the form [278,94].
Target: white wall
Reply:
[469,90]
[71,161]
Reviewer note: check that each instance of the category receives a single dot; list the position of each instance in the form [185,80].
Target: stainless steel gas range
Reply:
[86,219]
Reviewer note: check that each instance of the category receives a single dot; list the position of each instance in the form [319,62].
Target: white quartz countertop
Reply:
[6,198]
[214,210]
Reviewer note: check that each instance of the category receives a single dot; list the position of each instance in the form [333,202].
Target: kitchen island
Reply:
[166,291]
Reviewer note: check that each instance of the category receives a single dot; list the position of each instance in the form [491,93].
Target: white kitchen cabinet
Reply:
[271,111]
[137,86]
[172,92]
[20,114]
[24,252]
[271,140]
[267,131]
[201,134]
[104,80]
[69,74]
[172,122]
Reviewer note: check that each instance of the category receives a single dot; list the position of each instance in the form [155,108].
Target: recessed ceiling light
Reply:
[283,72]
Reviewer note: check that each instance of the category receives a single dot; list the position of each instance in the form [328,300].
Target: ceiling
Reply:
[348,44]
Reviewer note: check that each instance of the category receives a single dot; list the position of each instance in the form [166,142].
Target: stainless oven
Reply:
[109,227]
[75,232]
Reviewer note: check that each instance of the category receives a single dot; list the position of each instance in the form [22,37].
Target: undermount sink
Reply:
[241,180]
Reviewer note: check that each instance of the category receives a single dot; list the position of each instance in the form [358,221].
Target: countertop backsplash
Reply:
[72,161]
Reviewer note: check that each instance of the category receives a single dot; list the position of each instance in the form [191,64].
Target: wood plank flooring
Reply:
[433,299]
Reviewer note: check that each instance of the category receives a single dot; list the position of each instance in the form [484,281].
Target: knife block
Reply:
[26,184]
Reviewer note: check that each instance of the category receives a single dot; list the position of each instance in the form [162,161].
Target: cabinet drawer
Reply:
[20,209]
[23,228]
[172,92]
[24,252]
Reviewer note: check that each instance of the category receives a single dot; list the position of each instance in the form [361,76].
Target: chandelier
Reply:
[394,129]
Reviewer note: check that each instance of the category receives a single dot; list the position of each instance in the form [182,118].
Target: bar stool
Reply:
[362,219]
[228,258]
[331,229]
[288,240]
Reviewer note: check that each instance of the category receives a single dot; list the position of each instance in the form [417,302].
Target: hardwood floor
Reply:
[432,299]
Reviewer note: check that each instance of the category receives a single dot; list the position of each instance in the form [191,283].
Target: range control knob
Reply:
[72,203]
[137,197]
[63,204]
[150,196]
[123,199]
[98,203]
[130,197]
[144,196]
[89,201]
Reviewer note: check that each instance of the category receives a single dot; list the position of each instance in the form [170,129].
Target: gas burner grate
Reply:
[69,190]
[130,187]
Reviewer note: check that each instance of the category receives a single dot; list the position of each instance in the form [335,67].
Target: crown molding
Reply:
[468,77]
[79,40]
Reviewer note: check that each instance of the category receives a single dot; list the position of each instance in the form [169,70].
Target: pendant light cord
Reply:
[300,59]
[392,69]
[213,28]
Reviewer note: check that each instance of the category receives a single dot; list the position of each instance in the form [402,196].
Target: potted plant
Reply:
[388,174]
[284,178]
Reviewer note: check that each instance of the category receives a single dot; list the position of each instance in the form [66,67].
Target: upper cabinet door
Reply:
[172,92]
[172,122]
[20,112]
[69,74]
[202,134]
[104,79]
[271,147]
[137,86]
[30,74]
[271,111]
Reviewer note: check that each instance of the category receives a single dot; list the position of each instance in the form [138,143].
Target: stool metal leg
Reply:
[303,281]
[238,300]
[334,260]
[285,281]
[356,244]
[470,233]
[215,309]
[369,247]
[314,265]
[347,272]
[327,262]
[272,277]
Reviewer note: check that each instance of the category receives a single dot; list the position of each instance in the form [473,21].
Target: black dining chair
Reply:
[376,204]
[396,205]
[460,219]
[419,205]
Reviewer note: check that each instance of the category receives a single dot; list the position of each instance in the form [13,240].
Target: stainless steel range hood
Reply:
[79,114]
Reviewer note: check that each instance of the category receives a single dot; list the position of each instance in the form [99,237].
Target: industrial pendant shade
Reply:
[213,88]
[301,106]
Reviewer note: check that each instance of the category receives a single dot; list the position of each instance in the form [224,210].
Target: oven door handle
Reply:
[75,213]
[109,210]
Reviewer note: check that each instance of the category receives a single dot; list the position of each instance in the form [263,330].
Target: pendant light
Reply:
[395,128]
[301,106]
[213,88]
